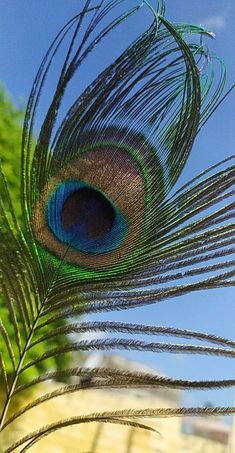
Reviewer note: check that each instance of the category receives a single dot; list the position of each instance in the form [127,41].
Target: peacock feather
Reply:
[101,227]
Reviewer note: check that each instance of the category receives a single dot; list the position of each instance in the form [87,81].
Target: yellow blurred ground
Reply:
[108,438]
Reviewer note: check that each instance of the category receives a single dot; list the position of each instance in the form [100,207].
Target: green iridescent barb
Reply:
[102,228]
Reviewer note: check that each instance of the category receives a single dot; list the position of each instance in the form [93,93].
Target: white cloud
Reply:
[92,336]
[215,23]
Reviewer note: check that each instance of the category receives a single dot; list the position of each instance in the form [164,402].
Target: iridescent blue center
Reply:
[84,218]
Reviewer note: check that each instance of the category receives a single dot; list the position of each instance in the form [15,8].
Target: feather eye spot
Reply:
[92,213]
[82,217]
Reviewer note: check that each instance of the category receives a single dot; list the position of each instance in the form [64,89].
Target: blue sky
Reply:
[26,29]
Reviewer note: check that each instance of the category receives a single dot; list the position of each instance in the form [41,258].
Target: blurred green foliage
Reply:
[11,121]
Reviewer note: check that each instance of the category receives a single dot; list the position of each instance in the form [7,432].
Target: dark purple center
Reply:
[90,207]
